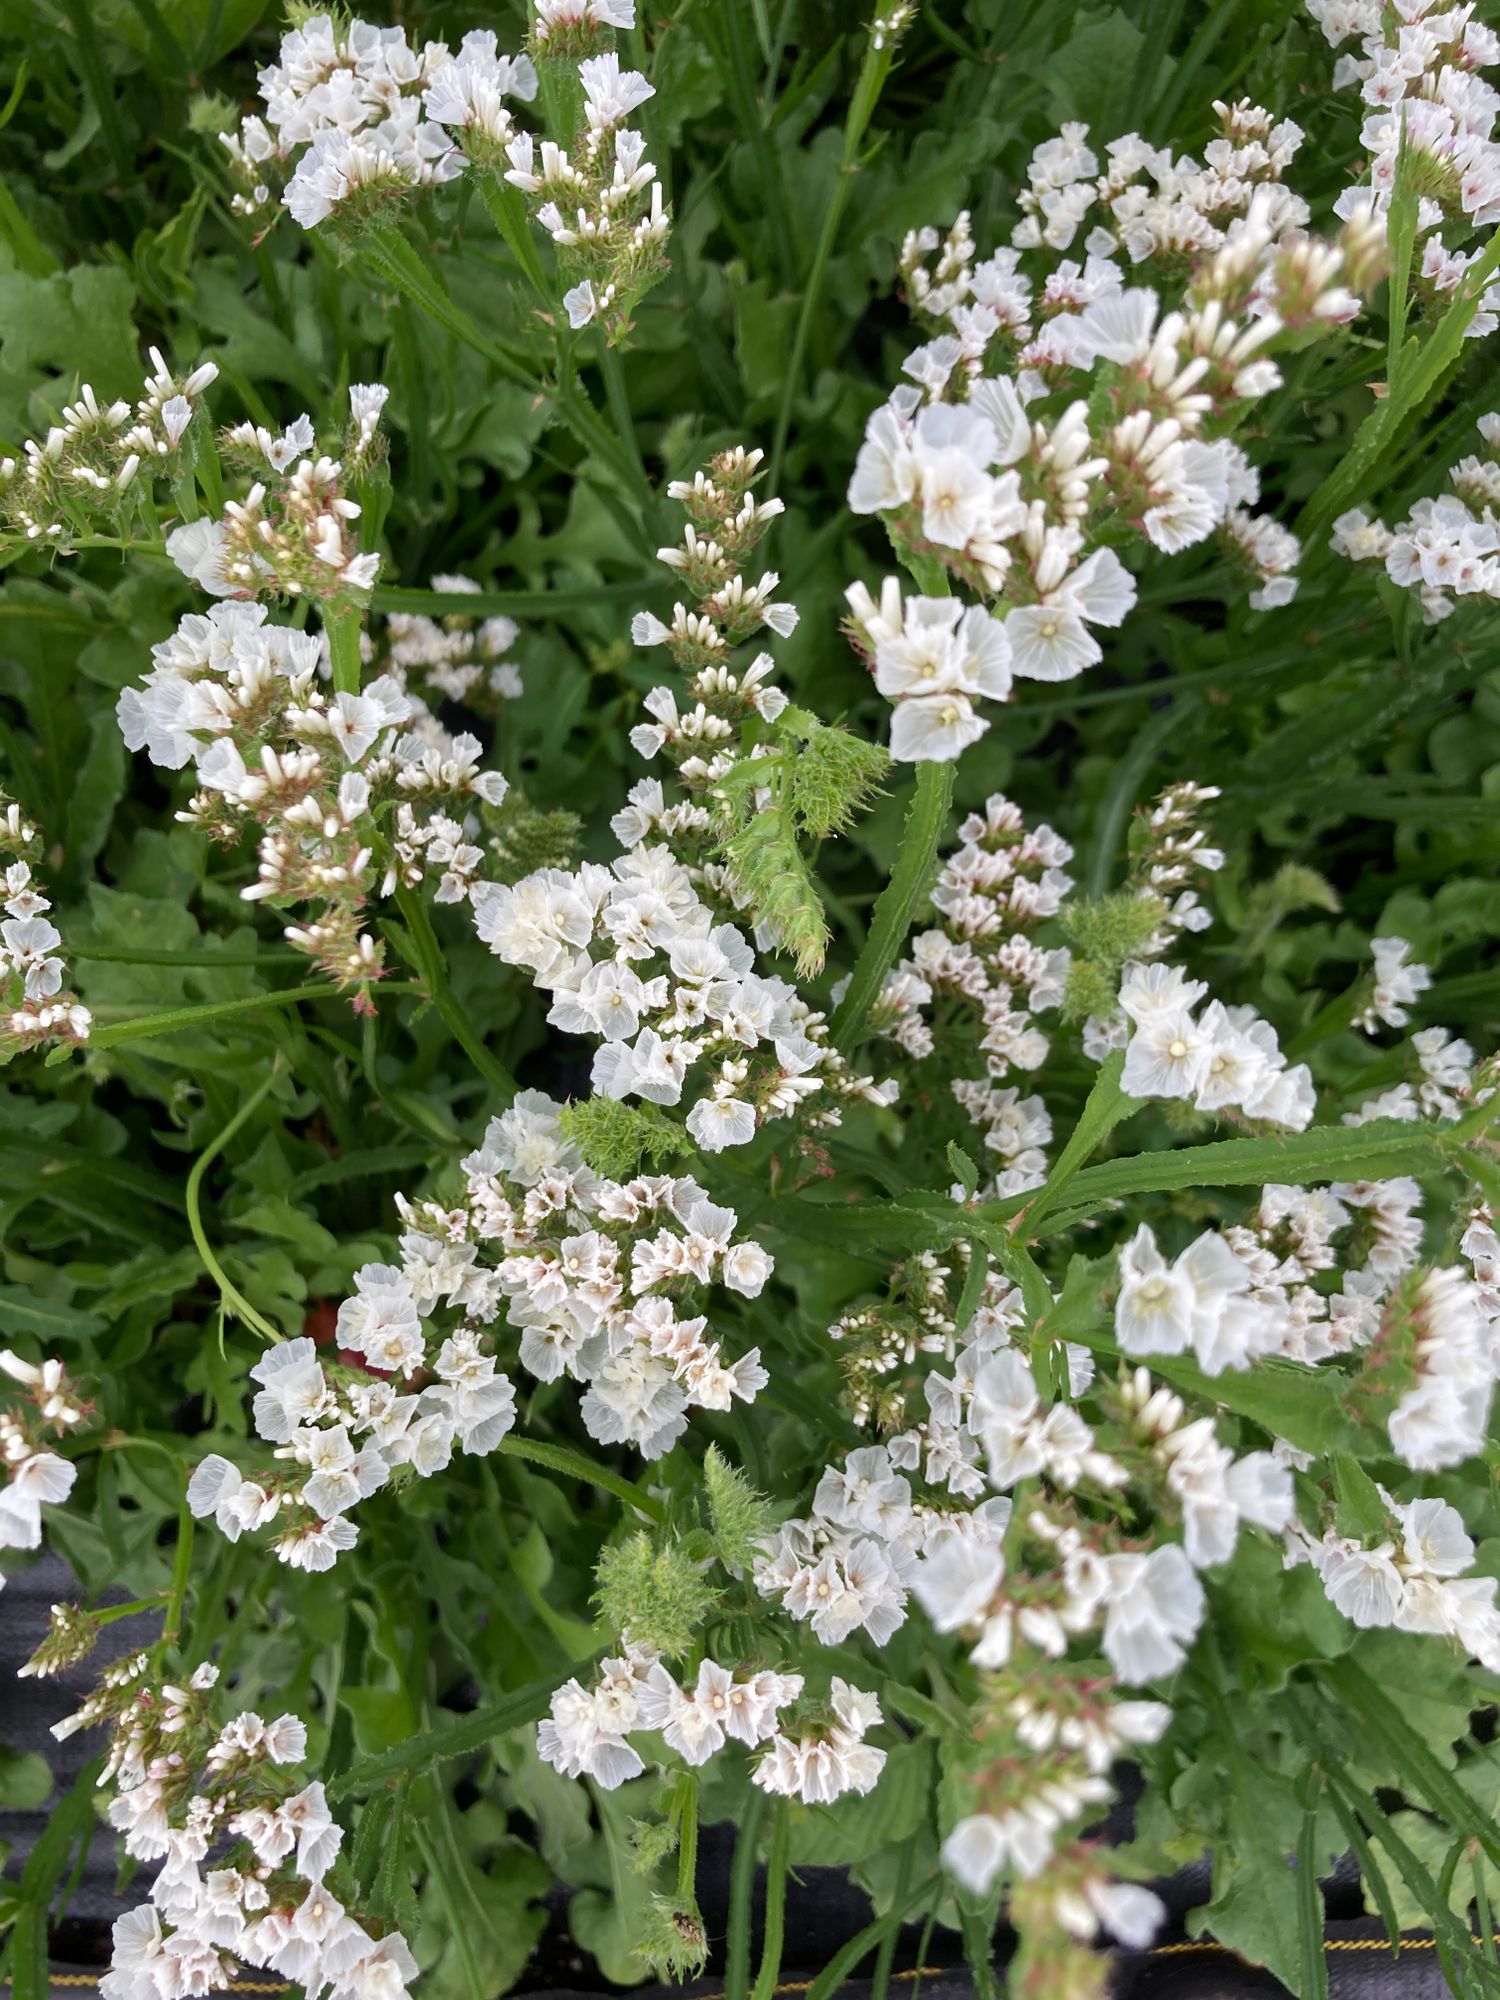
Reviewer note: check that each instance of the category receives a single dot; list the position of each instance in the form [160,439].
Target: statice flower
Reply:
[1002,884]
[1442,1416]
[1417,71]
[1059,407]
[1417,1577]
[249,1855]
[356,118]
[596,1278]
[292,531]
[347,126]
[1223,1058]
[587,1734]
[644,954]
[47,1411]
[457,657]
[351,795]
[99,467]
[1447,549]
[36,1007]
[826,1755]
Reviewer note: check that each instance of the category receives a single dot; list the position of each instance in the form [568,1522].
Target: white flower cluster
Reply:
[1443,1416]
[1445,1081]
[1415,1578]
[186,1794]
[356,118]
[1065,1735]
[1048,410]
[314,1422]
[669,989]
[348,798]
[1003,881]
[35,1475]
[456,657]
[816,1759]
[1399,980]
[737,818]
[35,1007]
[88,465]
[1152,204]
[827,1756]
[591,1274]
[600,200]
[1226,1058]
[1447,548]
[588,1731]
[1071,1748]
[293,533]
[1417,70]
[365,116]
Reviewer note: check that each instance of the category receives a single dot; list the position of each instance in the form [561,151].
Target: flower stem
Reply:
[233,1299]
[426,956]
[182,1564]
[741,1894]
[776,1867]
[926,820]
[873,72]
[342,628]
[687,1840]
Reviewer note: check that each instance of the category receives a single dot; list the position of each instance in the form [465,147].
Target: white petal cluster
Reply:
[341,1439]
[1417,69]
[1416,1578]
[1057,404]
[292,531]
[455,657]
[824,1760]
[353,114]
[632,954]
[48,1410]
[356,117]
[1226,1058]
[244,1858]
[1443,1417]
[327,779]
[597,1278]
[1447,549]
[1004,881]
[587,1733]
[36,1008]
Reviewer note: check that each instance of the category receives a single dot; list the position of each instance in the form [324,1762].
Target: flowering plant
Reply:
[749,985]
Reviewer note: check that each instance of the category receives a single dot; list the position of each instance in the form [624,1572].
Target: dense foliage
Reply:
[750,765]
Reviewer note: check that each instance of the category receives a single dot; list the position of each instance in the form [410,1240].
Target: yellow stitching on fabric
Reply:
[917,1972]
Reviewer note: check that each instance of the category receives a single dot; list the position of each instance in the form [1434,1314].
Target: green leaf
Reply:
[465,1734]
[1361,1511]
[25,1780]
[1313,1984]
[1409,1756]
[46,1320]
[900,899]
[1107,1104]
[1378,1151]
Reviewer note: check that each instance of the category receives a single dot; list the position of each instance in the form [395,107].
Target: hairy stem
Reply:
[899,901]
[741,1894]
[776,1867]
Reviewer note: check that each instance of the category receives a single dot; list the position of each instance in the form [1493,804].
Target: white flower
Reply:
[1155,1606]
